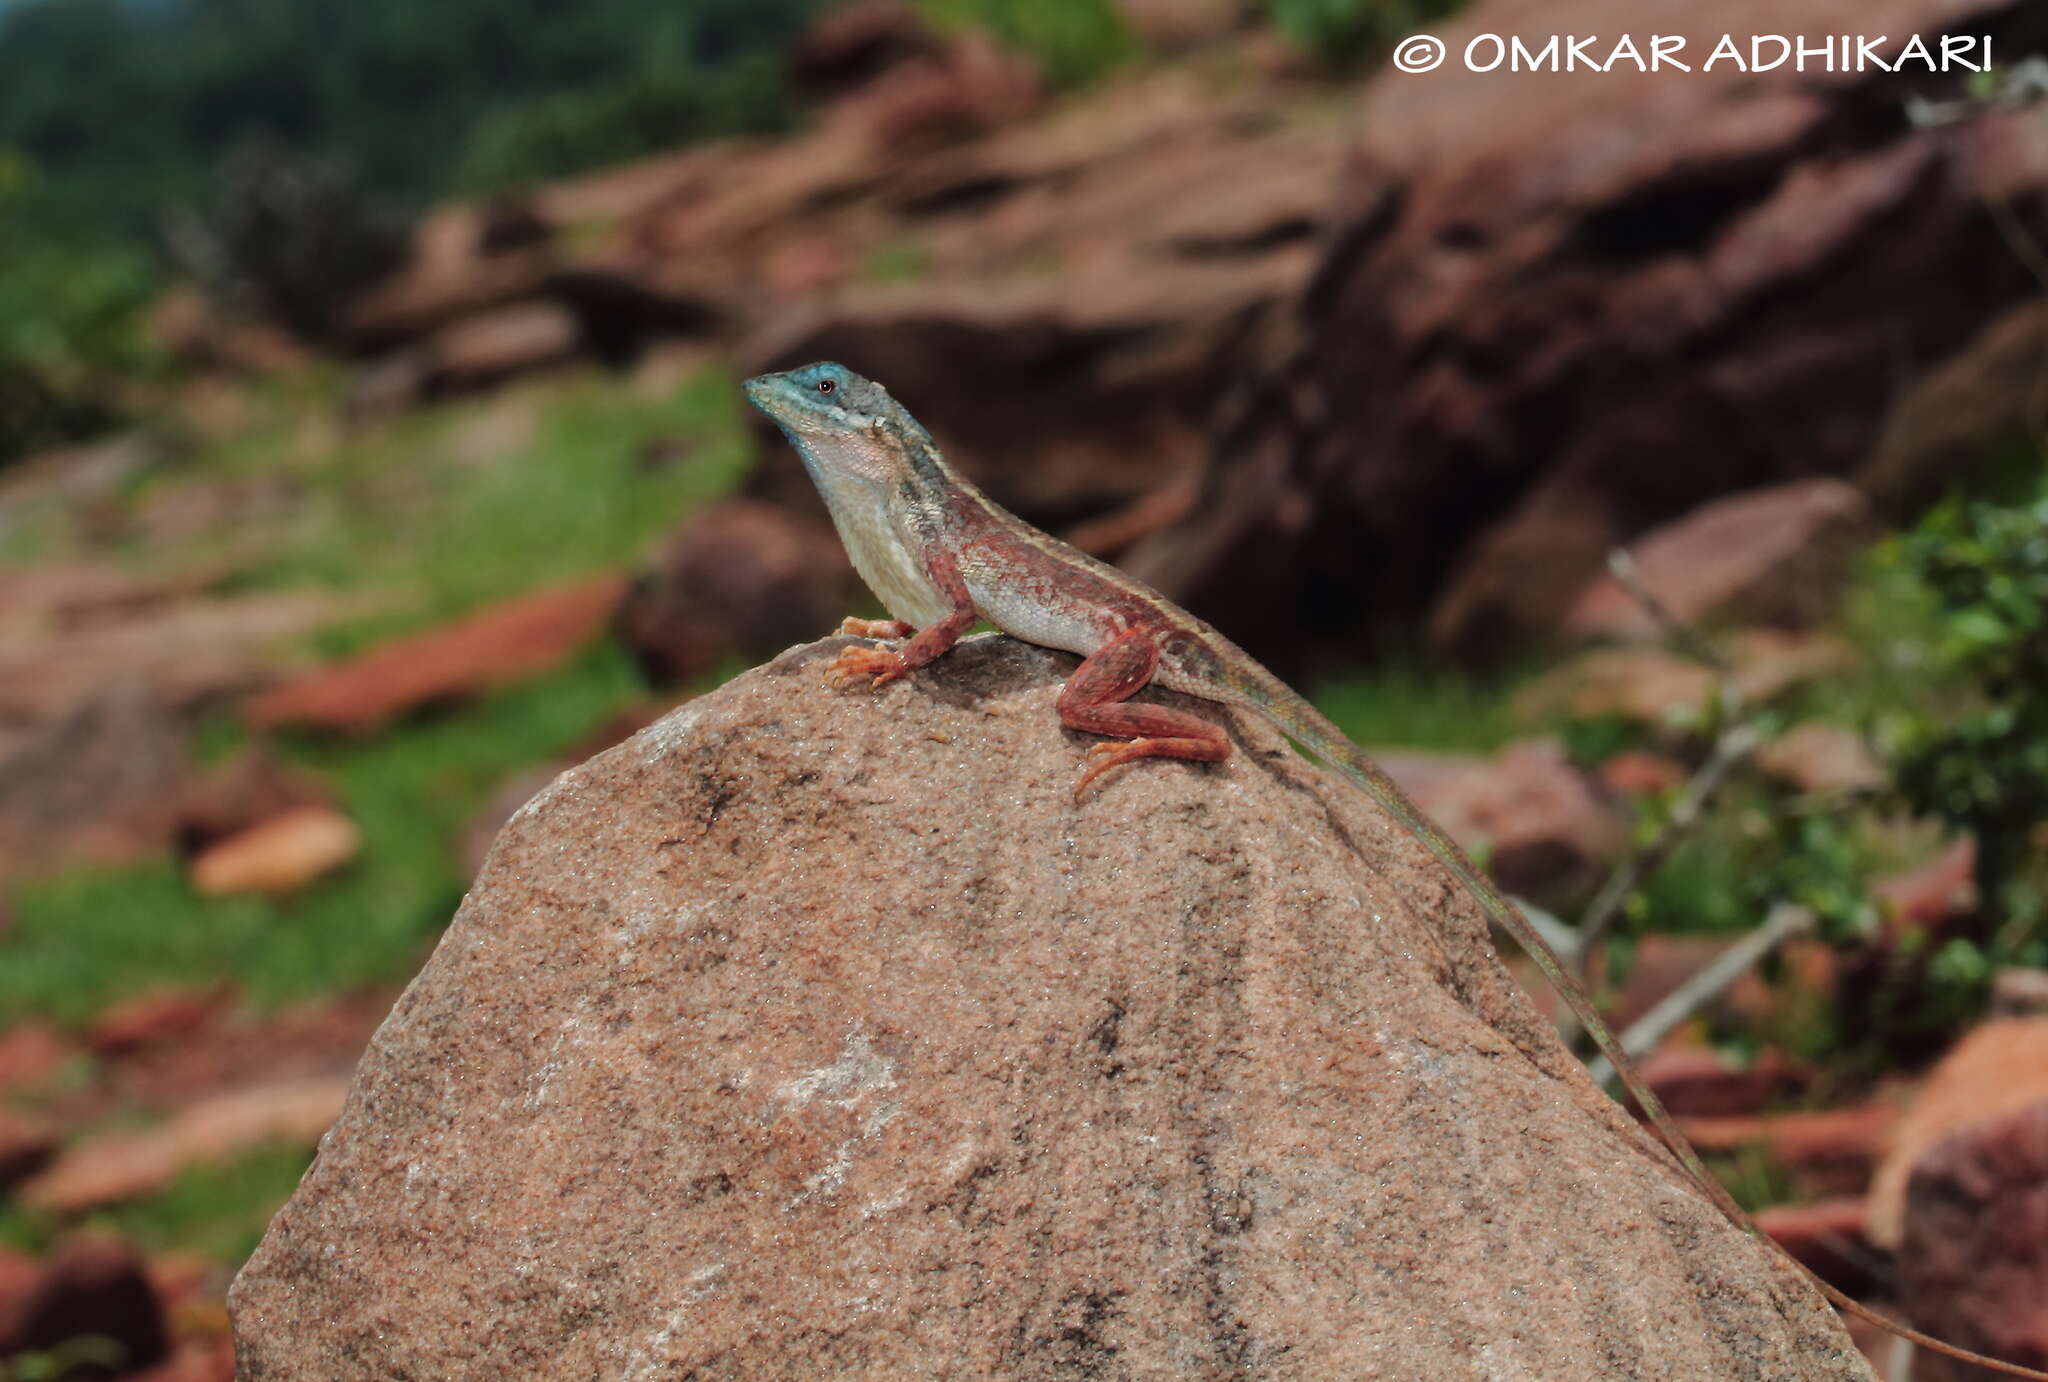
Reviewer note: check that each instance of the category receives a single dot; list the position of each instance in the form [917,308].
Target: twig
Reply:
[1736,743]
[1686,638]
[1784,921]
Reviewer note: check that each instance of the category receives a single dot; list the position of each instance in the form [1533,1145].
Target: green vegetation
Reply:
[67,325]
[643,112]
[1951,620]
[270,150]
[88,1355]
[429,522]
[1402,704]
[1346,32]
[444,510]
[128,104]
[1073,41]
[1979,760]
[898,261]
[84,939]
[217,1211]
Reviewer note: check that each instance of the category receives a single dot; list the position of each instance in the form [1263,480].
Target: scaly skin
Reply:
[941,554]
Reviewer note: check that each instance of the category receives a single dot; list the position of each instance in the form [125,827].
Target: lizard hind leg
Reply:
[1096,701]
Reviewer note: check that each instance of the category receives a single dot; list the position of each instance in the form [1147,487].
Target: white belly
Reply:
[1004,604]
[884,562]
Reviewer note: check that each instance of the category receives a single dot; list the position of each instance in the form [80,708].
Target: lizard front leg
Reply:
[876,628]
[880,666]
[1095,699]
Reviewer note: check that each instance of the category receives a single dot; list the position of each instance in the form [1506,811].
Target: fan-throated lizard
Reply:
[940,554]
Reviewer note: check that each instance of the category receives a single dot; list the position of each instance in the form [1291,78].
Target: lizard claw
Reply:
[854,665]
[1103,757]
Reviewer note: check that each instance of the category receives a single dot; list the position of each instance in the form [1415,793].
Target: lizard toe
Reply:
[1103,757]
[876,666]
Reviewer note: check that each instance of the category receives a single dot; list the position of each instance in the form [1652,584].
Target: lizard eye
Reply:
[826,386]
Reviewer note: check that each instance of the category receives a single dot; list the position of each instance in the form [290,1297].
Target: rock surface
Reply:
[810,1035]
[1544,829]
[1993,1073]
[1973,1263]
[1776,556]
[496,646]
[99,784]
[1552,314]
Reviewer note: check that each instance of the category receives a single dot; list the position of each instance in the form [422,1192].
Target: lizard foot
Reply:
[855,665]
[1103,757]
[875,628]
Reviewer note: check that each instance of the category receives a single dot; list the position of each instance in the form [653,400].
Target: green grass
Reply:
[86,938]
[430,515]
[396,511]
[1400,705]
[898,261]
[216,1211]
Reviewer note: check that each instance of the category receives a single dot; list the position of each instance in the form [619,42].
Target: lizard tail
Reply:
[1307,726]
[1302,722]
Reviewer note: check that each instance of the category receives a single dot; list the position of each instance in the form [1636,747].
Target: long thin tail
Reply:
[1303,723]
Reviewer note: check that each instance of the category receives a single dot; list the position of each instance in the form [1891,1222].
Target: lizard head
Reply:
[822,399]
[838,421]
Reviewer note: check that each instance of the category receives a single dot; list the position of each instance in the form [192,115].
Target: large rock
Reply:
[1556,311]
[810,1035]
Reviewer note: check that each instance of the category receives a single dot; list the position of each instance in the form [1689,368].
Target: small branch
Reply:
[1785,921]
[1735,744]
[1682,636]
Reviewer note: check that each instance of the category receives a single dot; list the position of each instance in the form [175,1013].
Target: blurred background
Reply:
[370,450]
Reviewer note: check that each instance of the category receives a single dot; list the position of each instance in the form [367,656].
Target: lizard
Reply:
[941,555]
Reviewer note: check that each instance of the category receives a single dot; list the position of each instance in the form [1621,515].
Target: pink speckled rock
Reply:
[814,1035]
